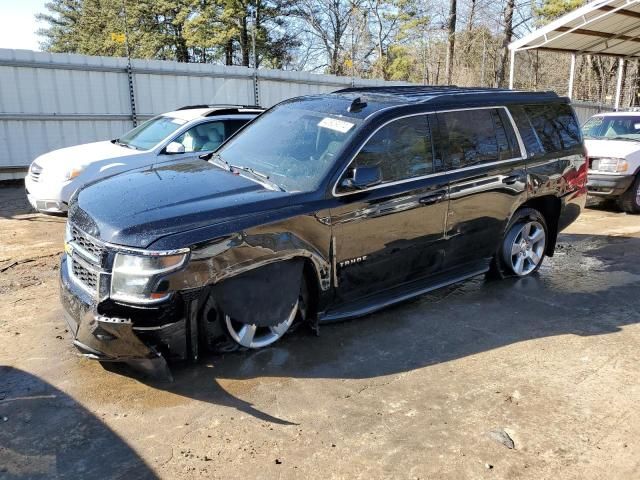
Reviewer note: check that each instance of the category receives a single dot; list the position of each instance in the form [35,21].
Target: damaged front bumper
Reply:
[101,336]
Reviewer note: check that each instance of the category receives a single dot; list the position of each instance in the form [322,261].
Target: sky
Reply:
[18,23]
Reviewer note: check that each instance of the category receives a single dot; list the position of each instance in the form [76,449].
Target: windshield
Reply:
[614,127]
[151,132]
[291,146]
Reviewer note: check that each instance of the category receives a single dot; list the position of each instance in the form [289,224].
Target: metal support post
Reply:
[619,83]
[572,73]
[512,66]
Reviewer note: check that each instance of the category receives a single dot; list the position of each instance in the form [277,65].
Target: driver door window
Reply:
[402,149]
[205,137]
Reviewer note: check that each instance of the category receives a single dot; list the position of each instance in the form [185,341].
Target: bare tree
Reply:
[328,21]
[451,41]
[508,36]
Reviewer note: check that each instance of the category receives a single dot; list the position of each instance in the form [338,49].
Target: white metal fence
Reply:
[50,101]
[584,110]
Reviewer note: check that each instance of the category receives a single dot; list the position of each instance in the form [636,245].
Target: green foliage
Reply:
[552,9]
[401,40]
[182,30]
[401,64]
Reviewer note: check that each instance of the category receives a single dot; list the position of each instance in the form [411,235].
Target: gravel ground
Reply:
[533,378]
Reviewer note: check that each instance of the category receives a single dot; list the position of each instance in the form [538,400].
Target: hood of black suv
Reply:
[140,206]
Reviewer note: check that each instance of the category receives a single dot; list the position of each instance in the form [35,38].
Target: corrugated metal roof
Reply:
[604,27]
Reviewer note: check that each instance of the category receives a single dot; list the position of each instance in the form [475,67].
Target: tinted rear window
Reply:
[555,125]
[471,137]
[527,133]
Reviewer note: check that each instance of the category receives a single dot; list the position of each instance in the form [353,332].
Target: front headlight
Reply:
[610,165]
[138,278]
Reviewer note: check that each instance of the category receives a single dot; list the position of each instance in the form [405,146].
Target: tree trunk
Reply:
[451,42]
[244,42]
[508,35]
[472,14]
[335,67]
[228,53]
[636,82]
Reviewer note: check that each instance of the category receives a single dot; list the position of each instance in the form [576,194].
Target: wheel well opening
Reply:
[549,207]
[313,290]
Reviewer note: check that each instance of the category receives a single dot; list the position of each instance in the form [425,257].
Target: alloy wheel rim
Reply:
[527,248]
[253,336]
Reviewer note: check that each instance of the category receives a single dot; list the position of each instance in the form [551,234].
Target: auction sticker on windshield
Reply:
[335,124]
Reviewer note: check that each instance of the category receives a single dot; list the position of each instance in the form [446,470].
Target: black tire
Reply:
[215,334]
[503,262]
[629,201]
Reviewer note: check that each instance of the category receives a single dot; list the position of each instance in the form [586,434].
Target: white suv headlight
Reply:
[137,278]
[610,165]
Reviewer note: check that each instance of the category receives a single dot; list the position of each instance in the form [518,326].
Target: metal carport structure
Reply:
[602,27]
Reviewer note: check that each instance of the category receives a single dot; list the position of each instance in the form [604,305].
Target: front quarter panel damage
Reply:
[304,238]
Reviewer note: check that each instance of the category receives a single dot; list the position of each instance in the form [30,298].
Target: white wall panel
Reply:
[84,92]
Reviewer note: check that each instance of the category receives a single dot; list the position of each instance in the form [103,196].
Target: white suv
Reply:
[613,146]
[55,176]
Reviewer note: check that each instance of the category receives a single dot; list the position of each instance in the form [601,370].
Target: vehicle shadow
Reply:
[588,288]
[14,205]
[13,200]
[603,204]
[46,434]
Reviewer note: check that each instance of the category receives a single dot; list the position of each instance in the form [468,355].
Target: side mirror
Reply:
[363,177]
[173,148]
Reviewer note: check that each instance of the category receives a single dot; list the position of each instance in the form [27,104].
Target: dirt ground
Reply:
[434,388]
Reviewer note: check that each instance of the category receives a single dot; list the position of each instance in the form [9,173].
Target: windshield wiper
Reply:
[122,144]
[261,176]
[217,159]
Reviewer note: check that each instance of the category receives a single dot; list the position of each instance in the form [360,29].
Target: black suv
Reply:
[325,207]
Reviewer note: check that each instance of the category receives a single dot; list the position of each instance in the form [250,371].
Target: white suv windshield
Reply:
[291,146]
[614,127]
[151,132]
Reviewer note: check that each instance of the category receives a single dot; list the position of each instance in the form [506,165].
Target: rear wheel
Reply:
[524,245]
[629,201]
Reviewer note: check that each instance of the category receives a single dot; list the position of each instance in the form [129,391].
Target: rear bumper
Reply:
[116,338]
[608,185]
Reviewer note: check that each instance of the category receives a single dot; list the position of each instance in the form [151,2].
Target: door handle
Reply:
[431,199]
[511,179]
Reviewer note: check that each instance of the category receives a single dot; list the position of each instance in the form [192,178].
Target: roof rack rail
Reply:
[428,93]
[217,105]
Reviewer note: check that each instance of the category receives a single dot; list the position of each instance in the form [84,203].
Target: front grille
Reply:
[86,243]
[86,258]
[84,275]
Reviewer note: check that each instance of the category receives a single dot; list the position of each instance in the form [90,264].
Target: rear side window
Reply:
[402,149]
[471,137]
[507,143]
[232,126]
[555,125]
[527,133]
